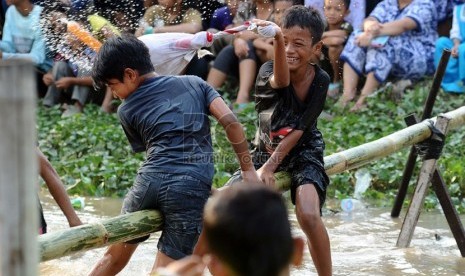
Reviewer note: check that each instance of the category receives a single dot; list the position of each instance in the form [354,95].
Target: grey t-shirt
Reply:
[167,116]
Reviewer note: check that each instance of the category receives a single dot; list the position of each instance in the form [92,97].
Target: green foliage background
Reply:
[93,157]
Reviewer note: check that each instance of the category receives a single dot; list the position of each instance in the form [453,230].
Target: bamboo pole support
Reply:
[427,109]
[423,183]
[334,163]
[18,169]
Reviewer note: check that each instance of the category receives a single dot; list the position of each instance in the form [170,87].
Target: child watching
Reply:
[454,76]
[167,117]
[334,38]
[264,46]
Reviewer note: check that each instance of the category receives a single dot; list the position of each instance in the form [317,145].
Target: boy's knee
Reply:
[309,218]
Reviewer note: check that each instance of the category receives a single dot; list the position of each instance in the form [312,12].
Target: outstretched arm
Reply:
[57,189]
[281,76]
[236,137]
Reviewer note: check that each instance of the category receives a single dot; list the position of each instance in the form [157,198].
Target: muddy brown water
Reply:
[362,243]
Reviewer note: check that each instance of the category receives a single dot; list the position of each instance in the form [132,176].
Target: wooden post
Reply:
[427,110]
[18,169]
[424,179]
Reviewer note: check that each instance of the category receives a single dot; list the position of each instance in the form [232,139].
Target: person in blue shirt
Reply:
[22,37]
[454,77]
[167,117]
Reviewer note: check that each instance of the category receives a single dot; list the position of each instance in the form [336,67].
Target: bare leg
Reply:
[350,81]
[114,260]
[216,78]
[247,74]
[334,52]
[370,86]
[308,215]
[161,260]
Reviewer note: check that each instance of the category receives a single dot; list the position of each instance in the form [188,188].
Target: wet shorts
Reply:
[180,199]
[305,167]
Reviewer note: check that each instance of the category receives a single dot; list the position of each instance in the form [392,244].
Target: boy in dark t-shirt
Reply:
[290,95]
[166,116]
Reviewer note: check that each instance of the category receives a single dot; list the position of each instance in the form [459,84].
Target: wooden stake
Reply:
[424,180]
[18,169]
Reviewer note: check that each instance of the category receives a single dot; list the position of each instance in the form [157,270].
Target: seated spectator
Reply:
[176,16]
[454,77]
[124,14]
[264,248]
[264,46]
[239,59]
[69,82]
[206,9]
[58,192]
[22,38]
[170,16]
[357,10]
[223,18]
[334,38]
[408,53]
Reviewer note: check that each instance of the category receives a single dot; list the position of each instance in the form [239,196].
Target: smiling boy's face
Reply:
[300,50]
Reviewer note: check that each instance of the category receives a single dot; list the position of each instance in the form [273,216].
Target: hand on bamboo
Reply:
[251,176]
[267,176]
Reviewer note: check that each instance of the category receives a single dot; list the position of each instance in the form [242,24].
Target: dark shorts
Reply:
[180,199]
[228,63]
[306,167]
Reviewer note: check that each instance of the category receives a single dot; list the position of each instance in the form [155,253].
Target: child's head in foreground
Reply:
[120,64]
[247,230]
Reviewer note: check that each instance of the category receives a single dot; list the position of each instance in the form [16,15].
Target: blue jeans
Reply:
[180,199]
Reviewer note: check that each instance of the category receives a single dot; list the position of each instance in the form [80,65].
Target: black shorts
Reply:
[304,167]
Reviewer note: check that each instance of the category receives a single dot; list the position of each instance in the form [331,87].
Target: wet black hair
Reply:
[306,18]
[117,54]
[247,227]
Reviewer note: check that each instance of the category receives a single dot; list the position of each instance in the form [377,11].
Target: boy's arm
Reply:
[280,77]
[266,172]
[57,189]
[236,137]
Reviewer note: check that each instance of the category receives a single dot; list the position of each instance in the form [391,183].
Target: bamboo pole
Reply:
[58,244]
[18,169]
[89,236]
